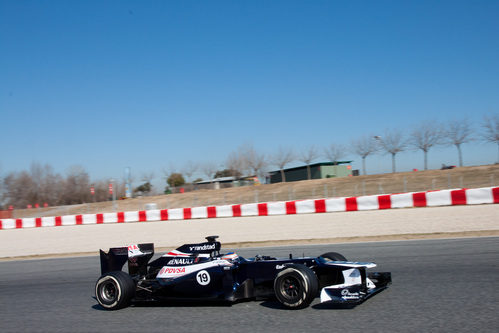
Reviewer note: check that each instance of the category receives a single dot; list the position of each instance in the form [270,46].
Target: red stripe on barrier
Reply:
[121,217]
[38,222]
[99,218]
[419,199]
[351,204]
[142,216]
[458,197]
[19,223]
[79,219]
[212,212]
[187,213]
[384,202]
[58,221]
[495,194]
[236,210]
[262,209]
[1,225]
[291,207]
[320,205]
[164,214]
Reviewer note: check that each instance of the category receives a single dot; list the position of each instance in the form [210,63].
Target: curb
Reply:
[486,195]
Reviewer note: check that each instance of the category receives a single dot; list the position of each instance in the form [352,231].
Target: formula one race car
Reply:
[200,272]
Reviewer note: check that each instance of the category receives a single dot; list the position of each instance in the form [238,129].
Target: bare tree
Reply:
[189,169]
[19,189]
[101,189]
[283,157]
[392,143]
[424,136]
[147,177]
[77,186]
[41,185]
[334,152]
[2,193]
[236,163]
[209,169]
[48,183]
[456,133]
[253,160]
[491,131]
[307,156]
[38,186]
[364,147]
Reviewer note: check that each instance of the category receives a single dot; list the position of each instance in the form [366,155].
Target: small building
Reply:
[220,180]
[225,182]
[317,171]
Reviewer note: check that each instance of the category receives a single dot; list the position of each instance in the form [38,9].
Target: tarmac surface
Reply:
[451,221]
[438,286]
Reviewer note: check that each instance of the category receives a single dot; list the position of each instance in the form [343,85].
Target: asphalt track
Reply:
[446,285]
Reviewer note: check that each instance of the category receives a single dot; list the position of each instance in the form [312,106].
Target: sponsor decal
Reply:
[172,270]
[133,250]
[181,261]
[279,266]
[203,277]
[346,294]
[204,247]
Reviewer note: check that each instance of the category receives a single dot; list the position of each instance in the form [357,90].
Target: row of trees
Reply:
[425,136]
[41,185]
[428,135]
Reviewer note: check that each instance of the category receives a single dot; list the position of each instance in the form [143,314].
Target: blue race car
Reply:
[200,272]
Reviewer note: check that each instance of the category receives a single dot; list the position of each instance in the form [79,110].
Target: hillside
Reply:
[465,177]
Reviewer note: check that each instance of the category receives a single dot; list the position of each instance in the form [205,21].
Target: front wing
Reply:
[357,286]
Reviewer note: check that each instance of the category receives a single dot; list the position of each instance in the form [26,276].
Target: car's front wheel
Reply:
[114,290]
[334,256]
[296,286]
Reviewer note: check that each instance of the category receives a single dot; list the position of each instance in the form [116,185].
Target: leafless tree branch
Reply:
[392,142]
[307,156]
[491,131]
[457,133]
[209,169]
[283,157]
[364,147]
[424,136]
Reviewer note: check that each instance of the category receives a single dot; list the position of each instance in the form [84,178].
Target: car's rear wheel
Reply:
[334,256]
[114,290]
[296,286]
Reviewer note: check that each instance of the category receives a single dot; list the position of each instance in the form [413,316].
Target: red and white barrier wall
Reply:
[476,196]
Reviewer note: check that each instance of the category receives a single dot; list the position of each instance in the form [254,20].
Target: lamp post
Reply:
[112,191]
[379,140]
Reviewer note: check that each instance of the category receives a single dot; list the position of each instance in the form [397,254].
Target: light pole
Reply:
[112,190]
[379,140]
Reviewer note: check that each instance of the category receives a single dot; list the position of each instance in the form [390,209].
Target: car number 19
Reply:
[203,277]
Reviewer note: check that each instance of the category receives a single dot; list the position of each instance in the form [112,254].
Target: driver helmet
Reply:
[230,256]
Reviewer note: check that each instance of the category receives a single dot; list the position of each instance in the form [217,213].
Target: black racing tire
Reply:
[296,286]
[334,256]
[114,290]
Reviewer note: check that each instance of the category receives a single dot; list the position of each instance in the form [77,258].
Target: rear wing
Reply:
[212,248]
[137,255]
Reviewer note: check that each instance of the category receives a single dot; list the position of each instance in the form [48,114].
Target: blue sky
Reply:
[149,84]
